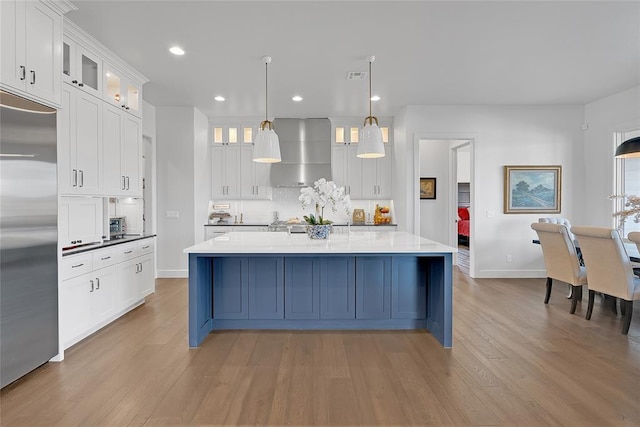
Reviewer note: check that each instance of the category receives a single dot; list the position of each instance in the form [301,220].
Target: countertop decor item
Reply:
[324,193]
[318,231]
[358,216]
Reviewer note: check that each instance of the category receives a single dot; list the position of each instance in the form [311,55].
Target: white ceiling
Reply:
[478,52]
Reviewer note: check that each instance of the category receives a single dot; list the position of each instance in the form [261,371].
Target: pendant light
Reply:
[370,145]
[629,148]
[266,147]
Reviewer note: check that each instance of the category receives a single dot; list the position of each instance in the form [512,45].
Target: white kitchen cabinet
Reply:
[362,178]
[128,291]
[31,36]
[145,278]
[80,143]
[75,308]
[376,177]
[254,176]
[122,153]
[122,91]
[86,303]
[80,221]
[81,67]
[137,272]
[225,172]
[346,169]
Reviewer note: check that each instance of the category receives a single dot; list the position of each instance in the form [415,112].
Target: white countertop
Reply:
[283,243]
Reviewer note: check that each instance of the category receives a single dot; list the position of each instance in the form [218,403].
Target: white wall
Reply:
[434,162]
[175,183]
[616,113]
[503,135]
[464,165]
[201,174]
[148,119]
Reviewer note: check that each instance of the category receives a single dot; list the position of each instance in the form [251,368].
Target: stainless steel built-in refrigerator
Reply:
[28,237]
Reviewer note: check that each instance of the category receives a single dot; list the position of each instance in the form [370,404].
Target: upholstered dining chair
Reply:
[558,220]
[634,236]
[608,269]
[560,260]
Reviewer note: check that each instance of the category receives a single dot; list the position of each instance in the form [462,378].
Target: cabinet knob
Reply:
[75,82]
[123,106]
[81,84]
[127,108]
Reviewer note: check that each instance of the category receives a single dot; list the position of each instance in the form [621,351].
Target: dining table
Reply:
[630,247]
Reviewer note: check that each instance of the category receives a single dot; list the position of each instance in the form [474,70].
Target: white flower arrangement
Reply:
[324,193]
[631,207]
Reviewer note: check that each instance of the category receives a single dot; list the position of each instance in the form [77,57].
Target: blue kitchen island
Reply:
[359,280]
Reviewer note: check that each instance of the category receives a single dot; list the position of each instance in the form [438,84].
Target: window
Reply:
[627,181]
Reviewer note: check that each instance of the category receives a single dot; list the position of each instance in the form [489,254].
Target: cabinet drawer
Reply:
[76,265]
[128,251]
[146,246]
[104,258]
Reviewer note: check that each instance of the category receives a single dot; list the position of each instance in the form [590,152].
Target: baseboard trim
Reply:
[511,274]
[173,274]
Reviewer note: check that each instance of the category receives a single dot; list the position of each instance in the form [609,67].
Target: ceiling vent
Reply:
[356,75]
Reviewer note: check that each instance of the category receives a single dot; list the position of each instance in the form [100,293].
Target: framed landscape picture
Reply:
[532,189]
[427,188]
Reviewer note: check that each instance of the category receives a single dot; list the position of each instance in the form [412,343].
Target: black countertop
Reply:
[105,244]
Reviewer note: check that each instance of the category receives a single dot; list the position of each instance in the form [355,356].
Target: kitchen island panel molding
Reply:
[423,269]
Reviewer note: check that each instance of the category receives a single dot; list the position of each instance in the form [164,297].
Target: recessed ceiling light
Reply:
[297,98]
[176,50]
[375,98]
[219,98]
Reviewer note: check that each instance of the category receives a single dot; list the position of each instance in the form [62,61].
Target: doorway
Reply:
[450,162]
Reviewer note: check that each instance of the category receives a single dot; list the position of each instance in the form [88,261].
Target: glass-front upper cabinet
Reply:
[227,134]
[350,134]
[121,91]
[81,68]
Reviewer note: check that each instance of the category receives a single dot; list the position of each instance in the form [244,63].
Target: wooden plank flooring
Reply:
[515,361]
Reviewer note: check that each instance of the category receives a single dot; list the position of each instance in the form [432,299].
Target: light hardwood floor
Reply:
[515,361]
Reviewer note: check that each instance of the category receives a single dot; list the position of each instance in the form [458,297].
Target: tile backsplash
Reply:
[285,202]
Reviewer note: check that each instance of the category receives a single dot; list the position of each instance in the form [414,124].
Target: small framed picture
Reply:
[532,189]
[427,188]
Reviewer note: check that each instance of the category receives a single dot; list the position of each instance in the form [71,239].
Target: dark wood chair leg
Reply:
[548,295]
[614,304]
[577,290]
[592,296]
[628,311]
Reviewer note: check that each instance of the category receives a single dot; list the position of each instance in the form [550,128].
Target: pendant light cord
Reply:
[266,91]
[370,120]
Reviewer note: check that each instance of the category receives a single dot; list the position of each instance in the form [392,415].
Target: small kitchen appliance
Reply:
[117,227]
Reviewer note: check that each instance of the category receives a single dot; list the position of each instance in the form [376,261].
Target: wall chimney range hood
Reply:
[305,147]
